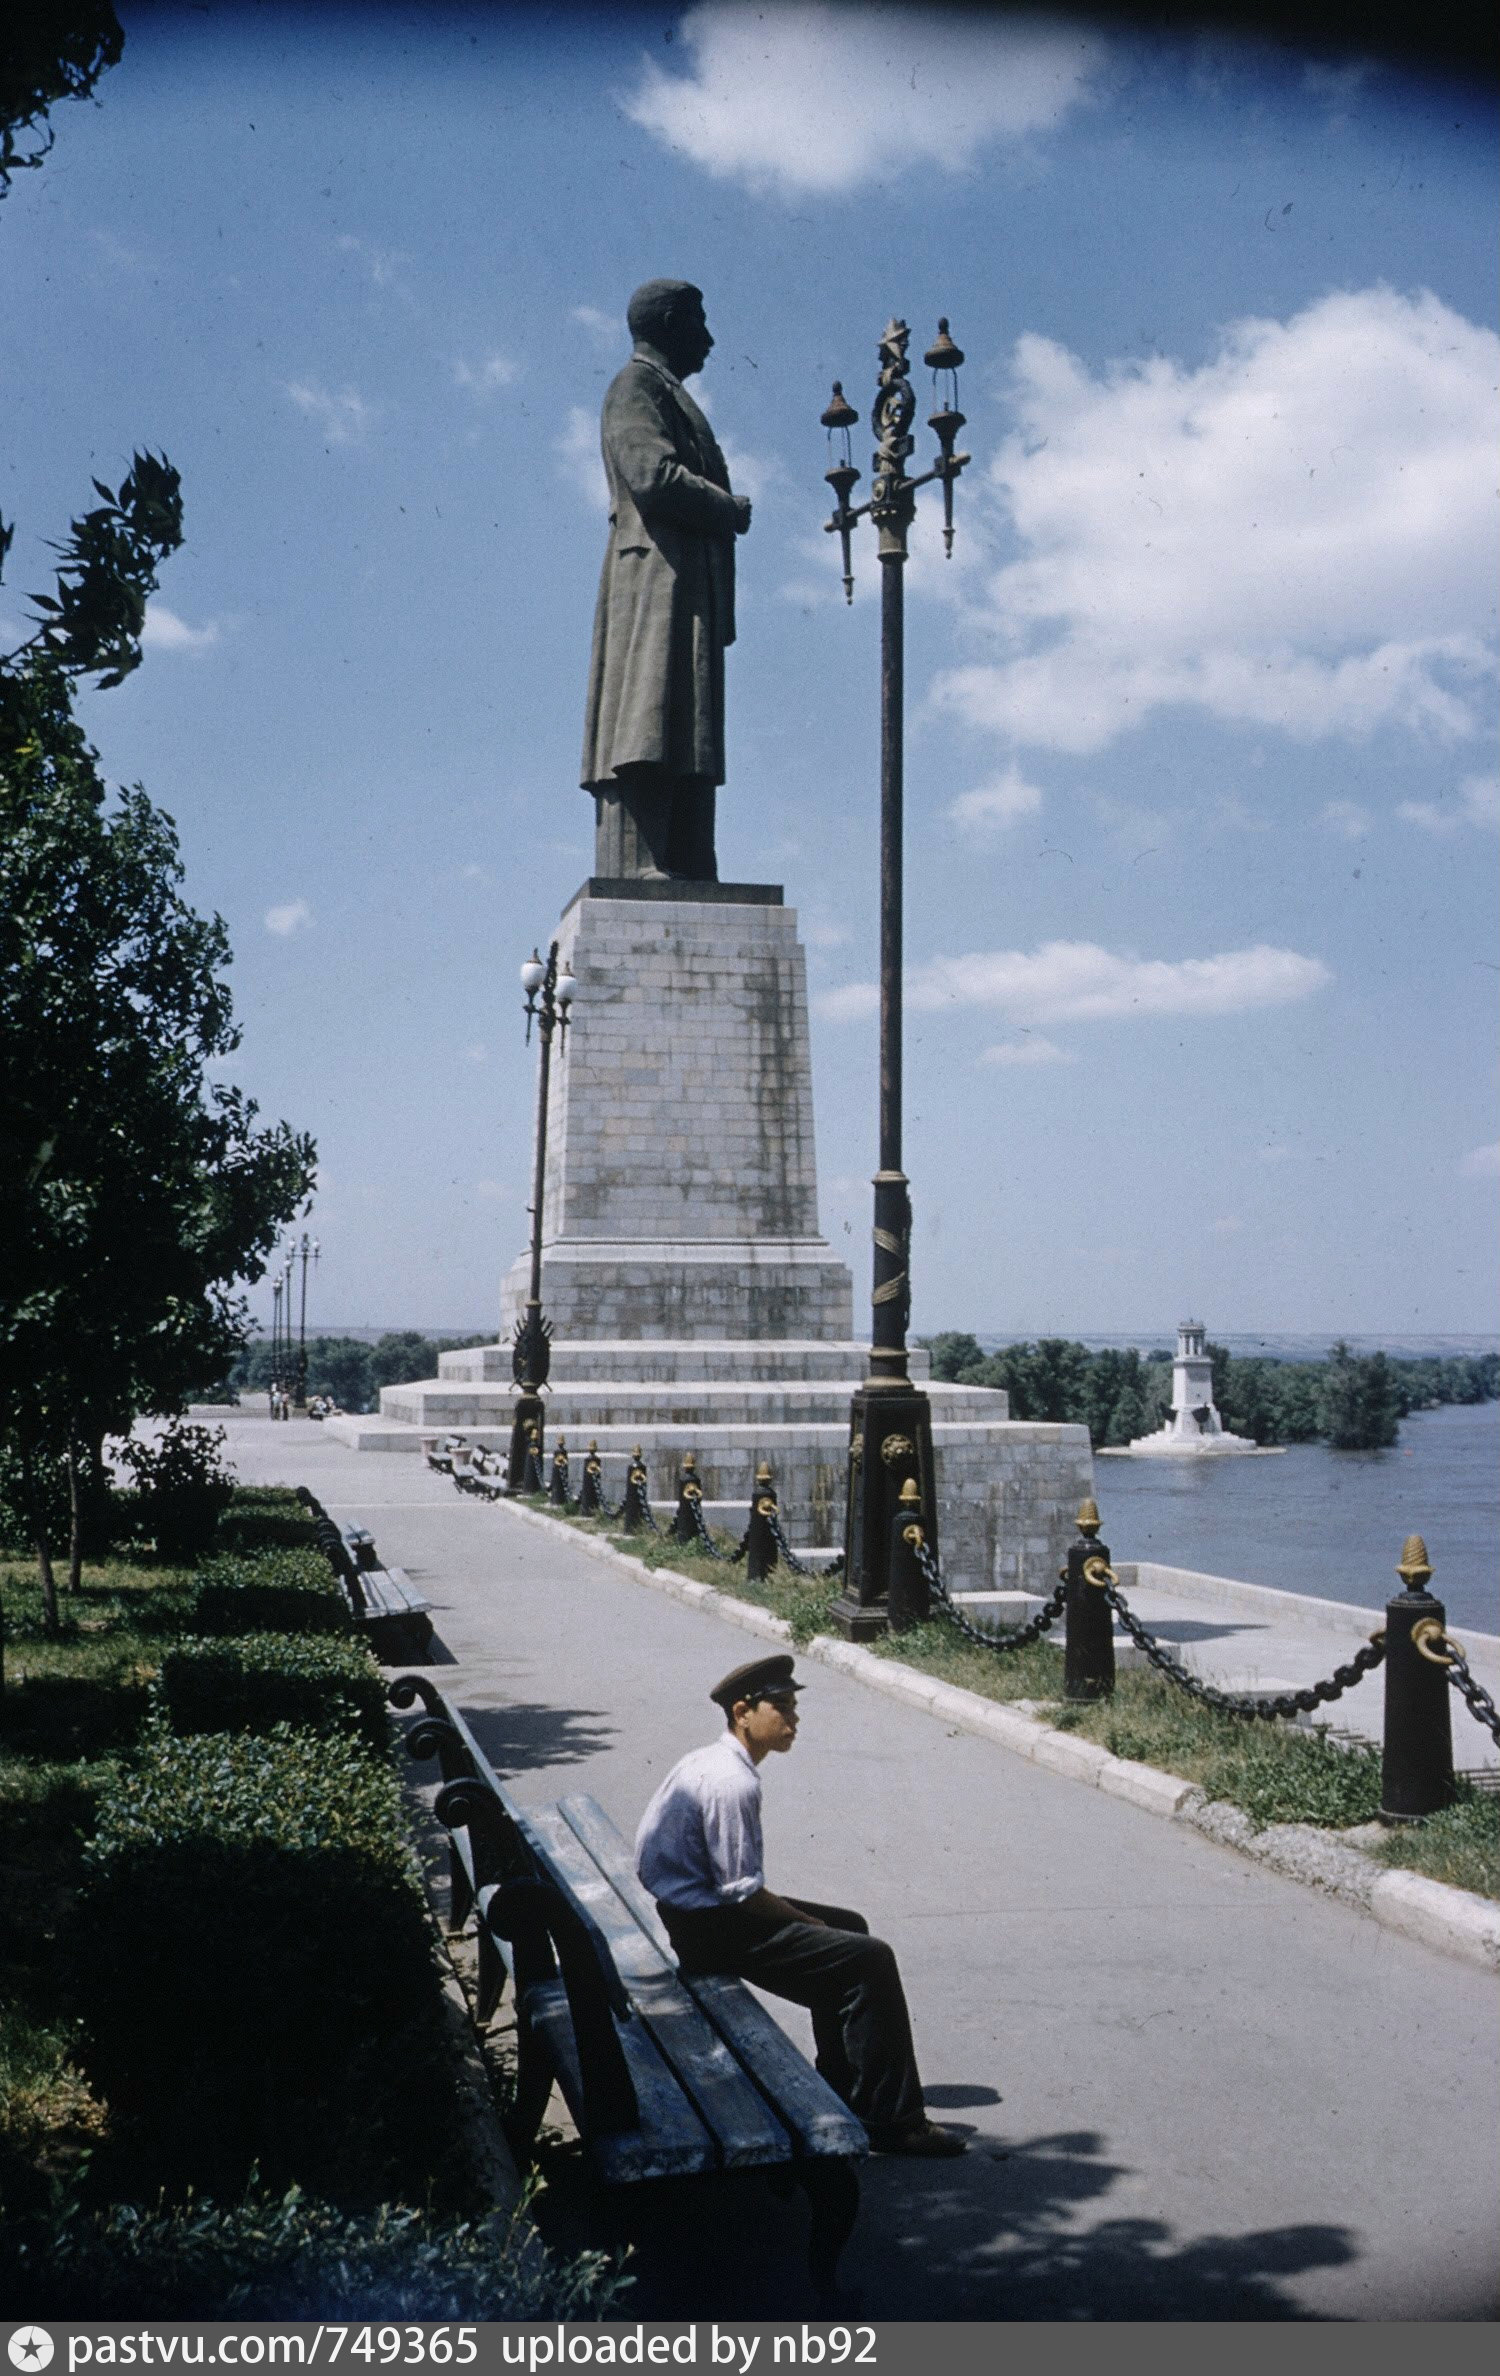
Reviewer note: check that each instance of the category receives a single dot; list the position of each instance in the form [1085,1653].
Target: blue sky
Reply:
[1201,777]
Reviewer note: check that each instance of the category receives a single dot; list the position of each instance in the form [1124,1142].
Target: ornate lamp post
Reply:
[549,994]
[277,1286]
[890,1424]
[308,1250]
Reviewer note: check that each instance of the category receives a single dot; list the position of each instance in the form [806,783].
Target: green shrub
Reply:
[270,1592]
[264,2258]
[183,1485]
[254,1966]
[265,1530]
[322,1682]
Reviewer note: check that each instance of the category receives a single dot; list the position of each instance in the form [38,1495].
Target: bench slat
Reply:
[746,2128]
[818,2119]
[671,2141]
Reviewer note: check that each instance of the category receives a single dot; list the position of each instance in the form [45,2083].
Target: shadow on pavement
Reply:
[524,1735]
[1003,2235]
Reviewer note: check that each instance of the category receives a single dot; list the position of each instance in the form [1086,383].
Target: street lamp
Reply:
[308,1251]
[277,1285]
[549,994]
[890,1424]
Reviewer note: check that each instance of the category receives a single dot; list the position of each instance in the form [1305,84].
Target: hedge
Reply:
[270,1592]
[323,1682]
[255,1970]
[297,2258]
[265,1530]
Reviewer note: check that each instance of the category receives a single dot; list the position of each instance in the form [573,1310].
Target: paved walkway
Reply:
[1197,2090]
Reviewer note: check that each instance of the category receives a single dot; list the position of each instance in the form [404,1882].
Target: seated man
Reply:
[698,1852]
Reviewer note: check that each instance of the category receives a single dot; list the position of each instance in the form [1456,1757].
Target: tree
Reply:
[133,1194]
[49,50]
[954,1353]
[1359,1407]
[1127,1419]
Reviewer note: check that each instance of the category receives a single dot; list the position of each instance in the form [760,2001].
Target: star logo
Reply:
[31,2347]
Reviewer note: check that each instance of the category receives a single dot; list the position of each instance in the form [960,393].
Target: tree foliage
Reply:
[1352,1401]
[134,1192]
[49,50]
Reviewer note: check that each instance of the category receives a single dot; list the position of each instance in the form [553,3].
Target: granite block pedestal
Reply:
[694,1303]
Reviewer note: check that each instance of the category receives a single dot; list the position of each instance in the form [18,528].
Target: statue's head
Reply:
[668,314]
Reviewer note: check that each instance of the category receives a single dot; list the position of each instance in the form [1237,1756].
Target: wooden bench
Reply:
[438,1452]
[481,1472]
[666,2076]
[386,1605]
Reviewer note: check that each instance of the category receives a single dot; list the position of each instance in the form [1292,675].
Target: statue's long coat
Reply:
[666,597]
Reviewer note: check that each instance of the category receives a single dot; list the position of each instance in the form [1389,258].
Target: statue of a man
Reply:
[653,742]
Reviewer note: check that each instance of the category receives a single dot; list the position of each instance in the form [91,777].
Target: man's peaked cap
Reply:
[755,1681]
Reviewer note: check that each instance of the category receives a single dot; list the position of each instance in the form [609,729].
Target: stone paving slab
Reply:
[1197,2090]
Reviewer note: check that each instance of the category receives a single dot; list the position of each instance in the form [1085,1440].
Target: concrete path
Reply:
[1197,2090]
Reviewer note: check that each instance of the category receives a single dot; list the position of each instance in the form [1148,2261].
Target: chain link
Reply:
[989,1637]
[706,1543]
[799,1567]
[1480,1706]
[1234,1703]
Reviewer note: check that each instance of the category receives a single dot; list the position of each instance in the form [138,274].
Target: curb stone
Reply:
[1452,1921]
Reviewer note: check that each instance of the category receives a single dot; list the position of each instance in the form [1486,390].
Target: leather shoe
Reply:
[925,2142]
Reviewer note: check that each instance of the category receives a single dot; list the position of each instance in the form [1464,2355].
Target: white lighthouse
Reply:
[1193,1425]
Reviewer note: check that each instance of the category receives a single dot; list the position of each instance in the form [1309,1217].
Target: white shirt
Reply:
[699,1843]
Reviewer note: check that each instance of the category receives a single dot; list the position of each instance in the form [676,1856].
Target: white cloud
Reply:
[1077,981]
[382,264]
[830,98]
[1227,1225]
[1482,1163]
[1294,533]
[1478,803]
[577,450]
[1347,818]
[165,632]
[849,1004]
[983,815]
[483,379]
[1031,1050]
[820,933]
[606,330]
[476,1052]
[294,915]
[343,418]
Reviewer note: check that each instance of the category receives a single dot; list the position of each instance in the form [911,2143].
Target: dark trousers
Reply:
[848,1982]
[650,821]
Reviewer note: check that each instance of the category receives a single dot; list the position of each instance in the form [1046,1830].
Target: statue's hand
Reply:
[741,514]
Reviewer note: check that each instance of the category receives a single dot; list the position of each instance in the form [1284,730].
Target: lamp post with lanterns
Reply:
[307,1250]
[890,1426]
[549,995]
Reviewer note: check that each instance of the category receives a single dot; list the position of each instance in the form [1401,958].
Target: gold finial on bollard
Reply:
[911,1491]
[1089,1520]
[1415,1567]
[763,1473]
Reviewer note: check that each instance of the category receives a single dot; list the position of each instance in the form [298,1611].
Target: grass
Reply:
[1275,1772]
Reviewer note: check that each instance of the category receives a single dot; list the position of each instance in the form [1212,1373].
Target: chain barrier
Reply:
[989,1637]
[706,1541]
[1477,1700]
[1234,1703]
[799,1567]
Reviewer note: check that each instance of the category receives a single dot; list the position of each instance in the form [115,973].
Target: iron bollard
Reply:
[689,1500]
[591,1492]
[557,1491]
[637,1511]
[909,1599]
[1089,1645]
[1416,1768]
[761,1553]
[531,1475]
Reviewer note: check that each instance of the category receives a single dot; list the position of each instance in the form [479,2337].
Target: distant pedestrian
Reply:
[699,1853]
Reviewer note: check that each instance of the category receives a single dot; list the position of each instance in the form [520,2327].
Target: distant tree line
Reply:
[1352,1401]
[348,1369]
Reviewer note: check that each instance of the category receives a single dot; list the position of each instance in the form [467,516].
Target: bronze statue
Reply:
[653,743]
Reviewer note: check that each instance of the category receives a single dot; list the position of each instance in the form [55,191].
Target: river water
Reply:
[1330,1523]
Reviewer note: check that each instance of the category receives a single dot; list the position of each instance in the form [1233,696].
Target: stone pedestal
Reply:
[694,1304]
[682,1195]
